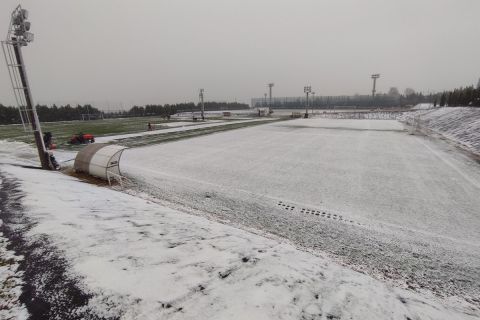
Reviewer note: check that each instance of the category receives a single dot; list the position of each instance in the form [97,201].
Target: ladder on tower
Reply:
[19,90]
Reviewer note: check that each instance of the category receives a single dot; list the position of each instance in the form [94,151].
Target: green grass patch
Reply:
[62,131]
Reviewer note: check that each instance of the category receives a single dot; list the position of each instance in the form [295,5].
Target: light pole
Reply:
[374,77]
[307,90]
[270,86]
[203,106]
[19,36]
[313,101]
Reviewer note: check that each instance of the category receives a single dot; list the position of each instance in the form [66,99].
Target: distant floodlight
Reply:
[307,90]
[374,77]
[270,86]
[201,96]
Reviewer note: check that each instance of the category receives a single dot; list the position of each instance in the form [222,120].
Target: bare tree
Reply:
[409,92]
[393,92]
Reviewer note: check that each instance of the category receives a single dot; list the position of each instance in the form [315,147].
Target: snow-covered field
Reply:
[302,219]
[368,170]
[136,259]
[398,206]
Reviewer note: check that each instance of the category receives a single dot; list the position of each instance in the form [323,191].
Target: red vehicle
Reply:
[82,138]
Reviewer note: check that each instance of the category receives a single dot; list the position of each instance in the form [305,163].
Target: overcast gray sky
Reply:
[110,52]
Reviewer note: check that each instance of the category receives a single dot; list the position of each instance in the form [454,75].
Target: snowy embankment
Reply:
[458,124]
[136,259]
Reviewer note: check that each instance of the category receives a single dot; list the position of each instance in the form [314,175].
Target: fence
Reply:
[377,115]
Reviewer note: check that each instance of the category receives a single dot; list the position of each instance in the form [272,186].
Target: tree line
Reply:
[469,96]
[11,115]
[389,100]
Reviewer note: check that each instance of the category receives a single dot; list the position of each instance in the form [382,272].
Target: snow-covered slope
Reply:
[458,124]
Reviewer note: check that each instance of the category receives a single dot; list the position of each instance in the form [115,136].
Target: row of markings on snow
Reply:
[320,214]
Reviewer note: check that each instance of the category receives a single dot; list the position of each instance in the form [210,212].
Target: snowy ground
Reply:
[10,282]
[352,194]
[135,259]
[398,206]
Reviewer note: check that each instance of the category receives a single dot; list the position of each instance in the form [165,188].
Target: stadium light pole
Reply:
[18,36]
[307,90]
[203,106]
[374,77]
[313,101]
[270,86]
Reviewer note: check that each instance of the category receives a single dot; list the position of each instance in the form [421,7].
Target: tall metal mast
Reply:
[18,36]
[307,90]
[374,77]
[201,101]
[313,101]
[270,86]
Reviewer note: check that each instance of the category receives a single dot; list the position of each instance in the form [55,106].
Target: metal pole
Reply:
[203,106]
[270,85]
[37,131]
[307,105]
[313,100]
[307,90]
[374,77]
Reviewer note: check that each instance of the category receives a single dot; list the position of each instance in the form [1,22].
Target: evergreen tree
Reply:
[443,100]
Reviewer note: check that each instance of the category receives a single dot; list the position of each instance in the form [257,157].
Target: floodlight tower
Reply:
[203,106]
[307,90]
[19,36]
[313,101]
[270,86]
[374,77]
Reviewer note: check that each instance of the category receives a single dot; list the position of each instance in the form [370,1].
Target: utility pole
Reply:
[203,106]
[18,36]
[374,77]
[270,86]
[307,90]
